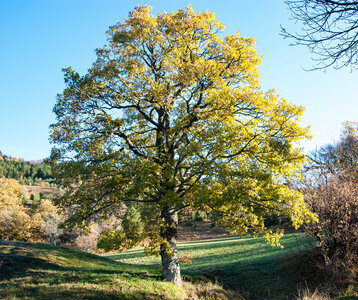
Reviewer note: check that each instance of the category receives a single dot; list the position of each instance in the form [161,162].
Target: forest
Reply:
[26,172]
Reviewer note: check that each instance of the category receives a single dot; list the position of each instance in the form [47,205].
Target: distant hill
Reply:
[26,172]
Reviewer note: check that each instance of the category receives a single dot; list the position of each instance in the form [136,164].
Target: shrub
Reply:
[88,241]
[23,198]
[336,205]
[331,191]
[51,227]
[36,200]
[14,222]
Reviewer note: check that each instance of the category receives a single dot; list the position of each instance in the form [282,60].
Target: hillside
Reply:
[26,172]
[47,192]
[250,266]
[39,271]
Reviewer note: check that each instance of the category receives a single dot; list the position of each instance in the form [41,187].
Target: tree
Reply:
[51,228]
[339,159]
[15,224]
[329,29]
[171,115]
[330,190]
[21,224]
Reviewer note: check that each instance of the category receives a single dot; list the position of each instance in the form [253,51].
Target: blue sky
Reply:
[38,38]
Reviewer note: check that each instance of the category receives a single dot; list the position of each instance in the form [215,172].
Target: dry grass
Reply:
[305,294]
[29,190]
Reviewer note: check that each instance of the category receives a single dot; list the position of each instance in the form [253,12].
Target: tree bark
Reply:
[170,261]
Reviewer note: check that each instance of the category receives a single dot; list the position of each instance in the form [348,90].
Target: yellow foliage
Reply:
[172,114]
[16,222]
[9,191]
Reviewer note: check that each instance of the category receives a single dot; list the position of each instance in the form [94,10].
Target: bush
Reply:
[14,222]
[24,200]
[36,200]
[336,205]
[51,227]
[331,191]
[88,241]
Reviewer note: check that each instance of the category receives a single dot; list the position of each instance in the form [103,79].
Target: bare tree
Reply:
[330,30]
[331,191]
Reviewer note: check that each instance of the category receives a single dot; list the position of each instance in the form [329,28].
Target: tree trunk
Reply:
[170,262]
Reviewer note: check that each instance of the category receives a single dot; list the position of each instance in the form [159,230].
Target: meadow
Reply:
[251,266]
[225,268]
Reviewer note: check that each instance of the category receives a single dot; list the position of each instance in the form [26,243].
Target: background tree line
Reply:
[26,172]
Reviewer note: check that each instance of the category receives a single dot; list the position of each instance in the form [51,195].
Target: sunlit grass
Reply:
[251,266]
[36,271]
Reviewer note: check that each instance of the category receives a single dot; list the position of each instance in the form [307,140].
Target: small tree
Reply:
[15,224]
[171,115]
[51,227]
[131,234]
[336,205]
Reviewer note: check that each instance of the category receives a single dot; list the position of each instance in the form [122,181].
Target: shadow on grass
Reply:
[19,261]
[23,276]
[12,264]
[76,292]
[247,265]
[231,242]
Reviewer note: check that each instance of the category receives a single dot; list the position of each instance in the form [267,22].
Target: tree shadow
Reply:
[77,292]
[12,264]
[24,276]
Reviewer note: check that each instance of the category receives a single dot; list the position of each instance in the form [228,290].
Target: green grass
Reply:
[250,265]
[37,271]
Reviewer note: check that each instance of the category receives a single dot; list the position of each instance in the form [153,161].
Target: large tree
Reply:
[171,115]
[329,29]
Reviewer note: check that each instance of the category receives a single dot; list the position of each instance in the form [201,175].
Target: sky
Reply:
[40,37]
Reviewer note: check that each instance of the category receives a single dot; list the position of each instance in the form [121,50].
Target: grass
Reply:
[37,271]
[249,266]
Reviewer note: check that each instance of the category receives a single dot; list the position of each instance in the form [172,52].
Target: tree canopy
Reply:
[329,29]
[171,115]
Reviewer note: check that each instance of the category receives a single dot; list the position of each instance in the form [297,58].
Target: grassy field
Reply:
[37,271]
[250,266]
